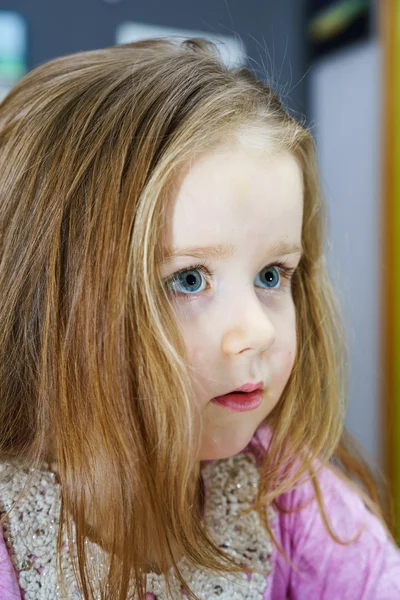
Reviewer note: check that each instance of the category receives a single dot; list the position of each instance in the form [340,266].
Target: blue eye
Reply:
[190,279]
[187,282]
[271,280]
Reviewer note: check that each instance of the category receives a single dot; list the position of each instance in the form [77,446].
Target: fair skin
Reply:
[239,325]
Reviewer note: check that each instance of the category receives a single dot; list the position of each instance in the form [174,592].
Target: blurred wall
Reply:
[345,95]
[57,28]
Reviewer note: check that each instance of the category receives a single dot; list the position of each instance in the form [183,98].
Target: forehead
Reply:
[229,195]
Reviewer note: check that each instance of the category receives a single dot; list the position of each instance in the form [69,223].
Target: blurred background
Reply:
[333,62]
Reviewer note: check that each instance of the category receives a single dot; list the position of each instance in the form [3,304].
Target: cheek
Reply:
[290,358]
[199,362]
[282,364]
[285,352]
[196,350]
[290,349]
[193,340]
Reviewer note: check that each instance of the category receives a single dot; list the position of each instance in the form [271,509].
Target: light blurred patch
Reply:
[13,49]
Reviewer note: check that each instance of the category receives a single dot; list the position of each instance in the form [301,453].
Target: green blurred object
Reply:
[13,48]
[11,69]
[334,20]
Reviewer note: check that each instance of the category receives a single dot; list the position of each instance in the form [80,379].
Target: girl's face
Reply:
[235,308]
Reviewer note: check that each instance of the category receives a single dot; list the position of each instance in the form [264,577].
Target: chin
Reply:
[223,446]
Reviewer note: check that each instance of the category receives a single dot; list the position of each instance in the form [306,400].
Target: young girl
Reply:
[162,246]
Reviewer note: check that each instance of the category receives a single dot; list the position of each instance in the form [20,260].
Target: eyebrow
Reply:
[221,251]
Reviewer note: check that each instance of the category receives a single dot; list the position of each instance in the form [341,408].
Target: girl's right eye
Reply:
[189,278]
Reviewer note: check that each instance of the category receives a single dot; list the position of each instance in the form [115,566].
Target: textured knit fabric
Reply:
[367,569]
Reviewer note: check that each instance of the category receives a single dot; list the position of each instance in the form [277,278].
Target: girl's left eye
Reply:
[190,279]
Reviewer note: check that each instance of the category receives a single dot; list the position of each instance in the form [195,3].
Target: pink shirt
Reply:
[368,569]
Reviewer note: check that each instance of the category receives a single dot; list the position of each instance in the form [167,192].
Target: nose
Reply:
[251,331]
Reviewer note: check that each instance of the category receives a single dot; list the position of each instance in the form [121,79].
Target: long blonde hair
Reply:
[93,373]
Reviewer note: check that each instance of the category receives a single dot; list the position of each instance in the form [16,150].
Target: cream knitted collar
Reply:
[231,483]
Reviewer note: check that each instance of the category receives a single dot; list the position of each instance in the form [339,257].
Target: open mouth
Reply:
[240,401]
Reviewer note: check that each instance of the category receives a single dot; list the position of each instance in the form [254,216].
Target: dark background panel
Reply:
[273,31]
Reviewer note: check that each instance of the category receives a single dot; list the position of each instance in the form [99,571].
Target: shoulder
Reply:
[366,568]
[365,565]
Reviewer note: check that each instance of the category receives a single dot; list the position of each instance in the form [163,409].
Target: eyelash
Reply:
[205,268]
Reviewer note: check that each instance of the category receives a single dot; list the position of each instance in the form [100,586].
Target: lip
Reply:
[248,387]
[240,402]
